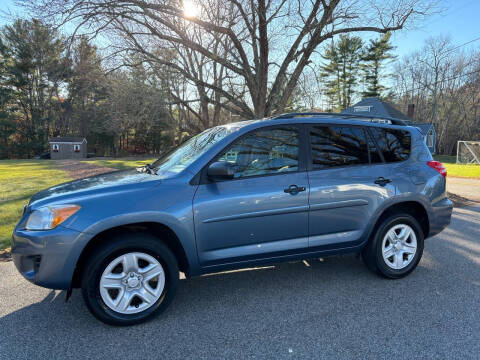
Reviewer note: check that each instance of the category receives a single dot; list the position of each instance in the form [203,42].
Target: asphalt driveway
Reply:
[466,188]
[329,308]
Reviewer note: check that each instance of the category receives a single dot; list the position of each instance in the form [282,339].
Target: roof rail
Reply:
[368,118]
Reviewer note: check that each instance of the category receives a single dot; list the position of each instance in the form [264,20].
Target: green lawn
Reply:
[458,170]
[121,164]
[19,180]
[446,159]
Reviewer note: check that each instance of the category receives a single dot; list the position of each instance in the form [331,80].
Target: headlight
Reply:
[48,217]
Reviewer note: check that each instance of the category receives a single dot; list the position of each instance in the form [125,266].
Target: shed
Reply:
[68,147]
[374,106]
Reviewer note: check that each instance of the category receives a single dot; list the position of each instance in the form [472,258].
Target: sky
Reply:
[459,20]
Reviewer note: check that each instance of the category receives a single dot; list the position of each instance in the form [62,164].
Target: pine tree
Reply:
[7,104]
[340,73]
[330,76]
[86,86]
[374,60]
[37,69]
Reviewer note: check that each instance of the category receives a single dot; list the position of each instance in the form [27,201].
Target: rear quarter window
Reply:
[394,144]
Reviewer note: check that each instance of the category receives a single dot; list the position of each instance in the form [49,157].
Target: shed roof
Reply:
[68,139]
[375,107]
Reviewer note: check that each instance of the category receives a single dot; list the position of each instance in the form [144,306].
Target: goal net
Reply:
[468,152]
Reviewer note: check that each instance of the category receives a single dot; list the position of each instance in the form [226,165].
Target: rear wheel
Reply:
[396,247]
[130,280]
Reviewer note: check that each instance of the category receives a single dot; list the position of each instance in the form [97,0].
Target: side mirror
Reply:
[220,170]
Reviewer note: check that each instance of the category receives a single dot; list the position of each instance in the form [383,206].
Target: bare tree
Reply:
[263,45]
[436,62]
[192,76]
[309,88]
[444,85]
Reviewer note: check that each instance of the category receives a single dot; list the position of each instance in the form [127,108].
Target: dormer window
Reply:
[365,108]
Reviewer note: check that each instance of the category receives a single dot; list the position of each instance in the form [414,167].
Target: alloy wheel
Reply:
[399,246]
[132,283]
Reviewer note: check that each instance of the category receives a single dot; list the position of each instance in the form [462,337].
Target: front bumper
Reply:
[46,258]
[441,214]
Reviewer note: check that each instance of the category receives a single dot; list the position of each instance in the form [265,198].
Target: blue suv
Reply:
[287,188]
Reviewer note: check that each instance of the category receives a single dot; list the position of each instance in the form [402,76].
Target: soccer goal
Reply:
[468,152]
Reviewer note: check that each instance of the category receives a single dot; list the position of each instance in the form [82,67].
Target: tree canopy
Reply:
[241,55]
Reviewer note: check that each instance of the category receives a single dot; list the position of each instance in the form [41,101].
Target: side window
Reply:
[338,146]
[55,147]
[264,152]
[76,148]
[394,144]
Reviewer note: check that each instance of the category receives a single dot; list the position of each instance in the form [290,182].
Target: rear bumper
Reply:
[440,216]
[44,257]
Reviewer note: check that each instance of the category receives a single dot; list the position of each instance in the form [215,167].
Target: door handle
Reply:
[294,189]
[382,181]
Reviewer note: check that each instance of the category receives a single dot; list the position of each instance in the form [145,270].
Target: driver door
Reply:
[263,211]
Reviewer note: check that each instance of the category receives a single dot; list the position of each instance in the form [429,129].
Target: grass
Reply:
[446,159]
[120,164]
[464,171]
[19,180]
[458,170]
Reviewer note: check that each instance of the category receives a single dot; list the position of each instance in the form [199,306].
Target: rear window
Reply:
[393,144]
[338,146]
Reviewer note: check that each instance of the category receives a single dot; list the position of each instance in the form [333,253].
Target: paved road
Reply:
[333,308]
[467,188]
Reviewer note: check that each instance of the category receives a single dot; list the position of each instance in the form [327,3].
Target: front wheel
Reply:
[396,247]
[130,280]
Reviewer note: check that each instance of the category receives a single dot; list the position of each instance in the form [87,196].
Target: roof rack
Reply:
[368,118]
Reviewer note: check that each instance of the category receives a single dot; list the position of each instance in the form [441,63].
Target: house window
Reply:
[76,147]
[430,138]
[55,147]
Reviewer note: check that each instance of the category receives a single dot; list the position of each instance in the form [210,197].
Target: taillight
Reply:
[437,165]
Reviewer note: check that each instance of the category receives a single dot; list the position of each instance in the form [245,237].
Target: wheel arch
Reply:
[161,231]
[411,207]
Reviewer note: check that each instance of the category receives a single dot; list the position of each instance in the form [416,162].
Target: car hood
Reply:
[114,181]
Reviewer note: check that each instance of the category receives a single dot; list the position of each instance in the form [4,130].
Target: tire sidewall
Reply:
[382,267]
[115,248]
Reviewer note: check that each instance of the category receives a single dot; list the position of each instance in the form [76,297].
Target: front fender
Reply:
[180,224]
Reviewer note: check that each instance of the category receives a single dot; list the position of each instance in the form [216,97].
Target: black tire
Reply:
[122,244]
[372,253]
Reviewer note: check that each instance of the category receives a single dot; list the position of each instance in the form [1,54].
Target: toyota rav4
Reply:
[292,187]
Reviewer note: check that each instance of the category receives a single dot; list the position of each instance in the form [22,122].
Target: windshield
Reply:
[176,161]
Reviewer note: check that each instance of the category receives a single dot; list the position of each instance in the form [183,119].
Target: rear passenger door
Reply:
[395,147]
[344,171]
